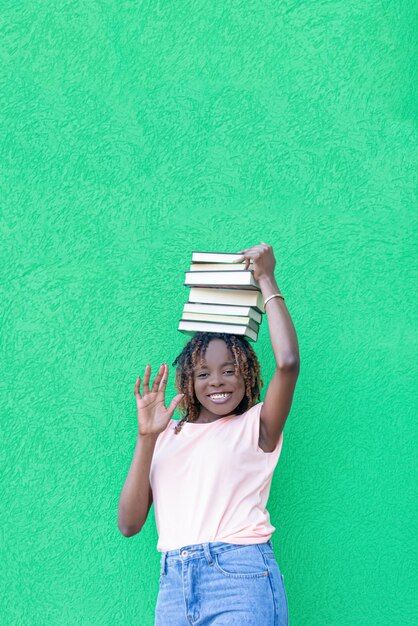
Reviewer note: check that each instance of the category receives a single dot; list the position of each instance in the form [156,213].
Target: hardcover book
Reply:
[220,309]
[190,328]
[220,267]
[238,297]
[221,319]
[215,257]
[243,279]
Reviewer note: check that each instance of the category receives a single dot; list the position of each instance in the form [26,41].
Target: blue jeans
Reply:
[221,584]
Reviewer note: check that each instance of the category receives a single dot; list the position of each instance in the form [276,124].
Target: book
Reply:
[227,319]
[220,267]
[242,279]
[190,327]
[223,309]
[215,257]
[236,297]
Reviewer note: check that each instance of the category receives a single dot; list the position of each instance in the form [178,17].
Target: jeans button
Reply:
[184,553]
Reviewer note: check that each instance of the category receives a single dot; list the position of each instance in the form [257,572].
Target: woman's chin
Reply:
[226,408]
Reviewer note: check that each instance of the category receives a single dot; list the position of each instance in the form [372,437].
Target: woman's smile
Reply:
[220,398]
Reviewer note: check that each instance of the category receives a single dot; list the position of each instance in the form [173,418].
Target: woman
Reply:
[209,474]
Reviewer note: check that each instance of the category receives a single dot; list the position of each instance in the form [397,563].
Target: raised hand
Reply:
[263,260]
[153,415]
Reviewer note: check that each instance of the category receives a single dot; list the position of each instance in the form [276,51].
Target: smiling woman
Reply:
[210,484]
[219,375]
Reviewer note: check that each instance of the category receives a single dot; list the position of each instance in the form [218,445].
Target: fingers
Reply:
[145,384]
[137,393]
[250,252]
[163,382]
[158,384]
[258,248]
[174,403]
[158,378]
[243,258]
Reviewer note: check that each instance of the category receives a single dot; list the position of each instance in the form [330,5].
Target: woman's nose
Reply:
[213,379]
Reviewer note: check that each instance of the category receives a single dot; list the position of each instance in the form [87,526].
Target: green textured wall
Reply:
[131,134]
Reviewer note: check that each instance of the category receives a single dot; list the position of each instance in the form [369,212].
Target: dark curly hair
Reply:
[194,351]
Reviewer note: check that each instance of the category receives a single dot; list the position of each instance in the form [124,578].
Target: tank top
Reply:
[211,482]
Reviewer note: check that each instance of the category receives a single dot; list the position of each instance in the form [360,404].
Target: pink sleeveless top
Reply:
[211,482]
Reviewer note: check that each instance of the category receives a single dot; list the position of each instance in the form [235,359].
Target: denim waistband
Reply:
[198,550]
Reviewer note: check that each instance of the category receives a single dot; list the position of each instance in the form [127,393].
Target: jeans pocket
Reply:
[244,562]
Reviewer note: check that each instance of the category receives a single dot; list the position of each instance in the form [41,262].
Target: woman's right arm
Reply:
[153,417]
[136,496]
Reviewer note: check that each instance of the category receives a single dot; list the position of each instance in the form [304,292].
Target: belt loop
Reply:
[208,554]
[163,562]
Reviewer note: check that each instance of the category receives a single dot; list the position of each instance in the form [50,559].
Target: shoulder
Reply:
[254,410]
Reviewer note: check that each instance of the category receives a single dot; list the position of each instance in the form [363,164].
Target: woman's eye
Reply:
[226,372]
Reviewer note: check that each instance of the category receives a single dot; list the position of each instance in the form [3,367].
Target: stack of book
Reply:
[224,296]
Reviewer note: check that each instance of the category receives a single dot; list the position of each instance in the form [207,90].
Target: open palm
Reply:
[153,415]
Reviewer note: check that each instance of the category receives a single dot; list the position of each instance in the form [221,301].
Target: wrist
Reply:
[268,285]
[147,436]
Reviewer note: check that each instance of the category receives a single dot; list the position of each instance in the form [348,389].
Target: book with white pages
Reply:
[227,319]
[191,327]
[216,257]
[217,267]
[236,297]
[223,309]
[241,279]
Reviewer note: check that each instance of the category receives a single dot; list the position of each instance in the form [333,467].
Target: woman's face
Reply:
[217,377]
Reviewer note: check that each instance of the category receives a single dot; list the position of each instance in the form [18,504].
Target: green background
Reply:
[133,133]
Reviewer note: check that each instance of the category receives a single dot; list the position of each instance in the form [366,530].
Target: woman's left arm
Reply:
[279,395]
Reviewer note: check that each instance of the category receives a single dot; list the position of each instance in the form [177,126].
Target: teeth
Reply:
[220,395]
